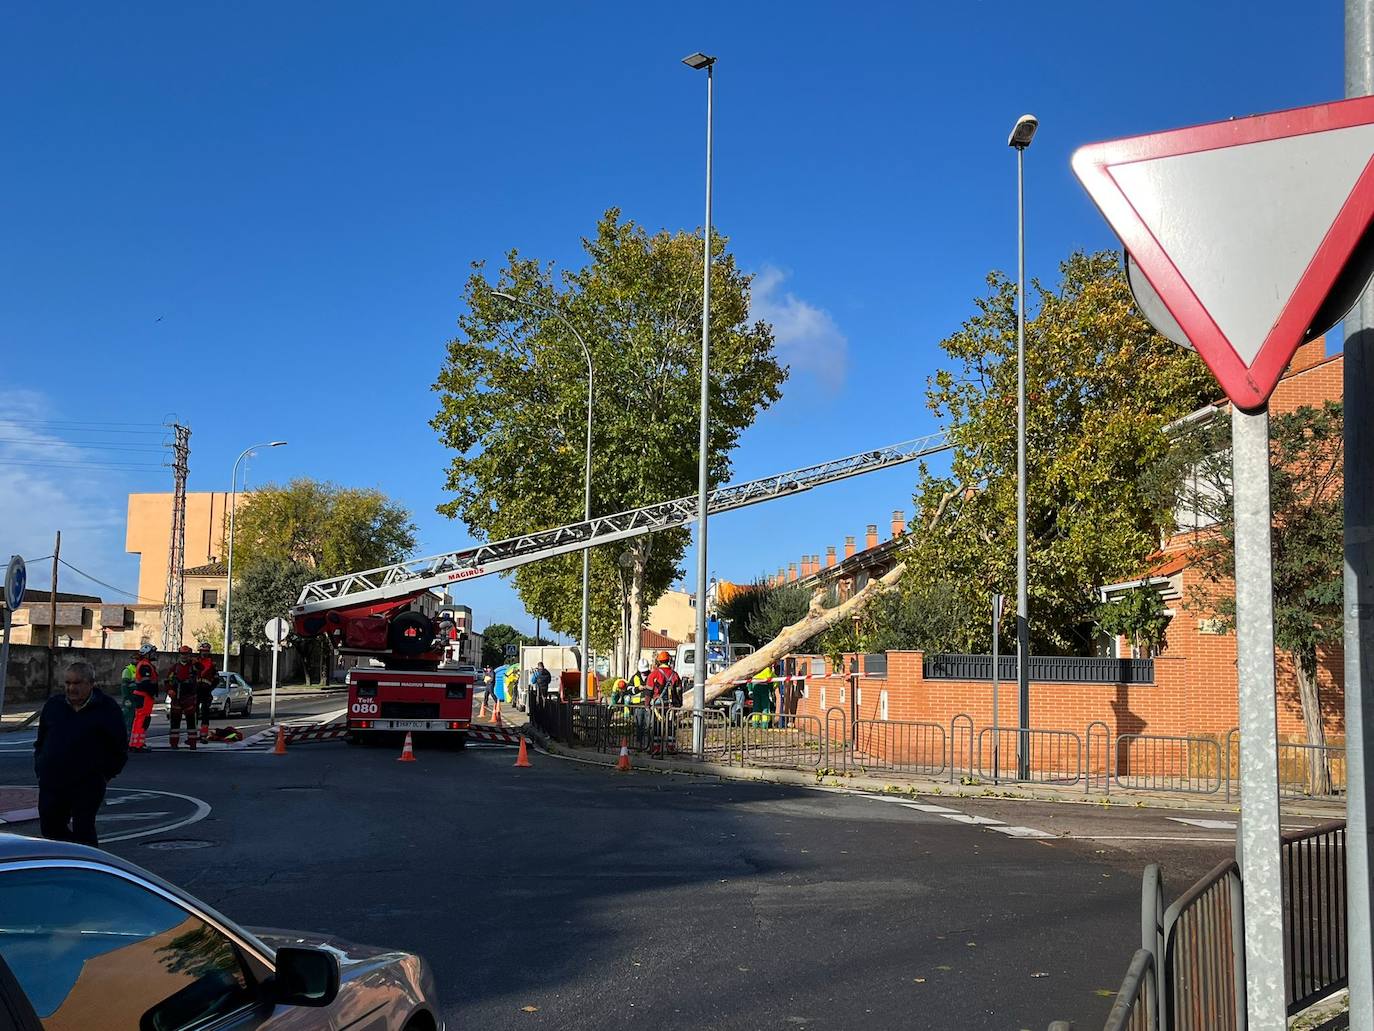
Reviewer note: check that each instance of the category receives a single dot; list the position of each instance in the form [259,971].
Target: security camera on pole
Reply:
[275,631]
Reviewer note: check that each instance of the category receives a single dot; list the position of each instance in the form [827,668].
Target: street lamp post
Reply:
[587,477]
[698,61]
[1020,139]
[229,559]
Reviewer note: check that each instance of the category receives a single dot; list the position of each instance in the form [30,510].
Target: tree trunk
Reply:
[632,637]
[1318,767]
[816,620]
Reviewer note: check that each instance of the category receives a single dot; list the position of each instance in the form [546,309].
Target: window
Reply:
[209,598]
[91,949]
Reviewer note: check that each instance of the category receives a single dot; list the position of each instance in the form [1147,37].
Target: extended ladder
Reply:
[418,574]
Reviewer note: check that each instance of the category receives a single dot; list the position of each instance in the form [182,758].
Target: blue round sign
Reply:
[16,577]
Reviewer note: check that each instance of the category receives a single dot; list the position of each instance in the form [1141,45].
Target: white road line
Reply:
[924,808]
[979,821]
[885,798]
[1207,825]
[1024,832]
[202,811]
[1144,837]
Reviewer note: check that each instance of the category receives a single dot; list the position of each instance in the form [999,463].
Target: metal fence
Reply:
[1055,669]
[897,746]
[1204,954]
[1050,756]
[1314,885]
[1311,771]
[1161,762]
[1137,1002]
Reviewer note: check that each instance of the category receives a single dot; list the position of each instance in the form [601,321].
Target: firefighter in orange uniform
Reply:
[144,694]
[181,693]
[205,687]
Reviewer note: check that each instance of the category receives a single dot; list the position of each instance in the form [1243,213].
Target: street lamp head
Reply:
[698,61]
[503,294]
[1023,132]
[277,443]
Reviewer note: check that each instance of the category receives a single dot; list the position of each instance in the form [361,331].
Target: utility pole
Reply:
[52,614]
[1359,578]
[173,599]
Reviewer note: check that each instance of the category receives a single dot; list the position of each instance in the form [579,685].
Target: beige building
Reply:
[83,621]
[674,615]
[148,534]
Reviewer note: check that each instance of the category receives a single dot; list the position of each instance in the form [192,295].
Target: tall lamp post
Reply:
[229,560]
[587,478]
[698,61]
[1020,139]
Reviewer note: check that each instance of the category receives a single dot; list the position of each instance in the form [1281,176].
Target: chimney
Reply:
[849,547]
[815,563]
[830,556]
[898,524]
[791,571]
[871,541]
[782,575]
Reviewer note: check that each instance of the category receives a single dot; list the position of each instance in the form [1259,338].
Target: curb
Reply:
[801,778]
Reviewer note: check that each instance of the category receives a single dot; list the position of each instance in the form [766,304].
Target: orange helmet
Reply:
[663,657]
[185,649]
[204,647]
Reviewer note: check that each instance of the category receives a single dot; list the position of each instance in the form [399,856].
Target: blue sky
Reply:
[259,216]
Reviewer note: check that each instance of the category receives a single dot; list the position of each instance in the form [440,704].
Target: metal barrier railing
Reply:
[899,747]
[800,743]
[1137,1000]
[837,728]
[1204,955]
[1314,899]
[1161,762]
[1311,771]
[1090,774]
[956,724]
[1231,759]
[1051,756]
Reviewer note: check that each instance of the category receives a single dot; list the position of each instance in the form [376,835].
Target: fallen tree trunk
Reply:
[793,637]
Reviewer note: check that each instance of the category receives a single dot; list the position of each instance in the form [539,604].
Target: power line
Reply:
[89,444]
[102,583]
[61,464]
[110,427]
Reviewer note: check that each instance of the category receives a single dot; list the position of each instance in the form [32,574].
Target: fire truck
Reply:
[408,684]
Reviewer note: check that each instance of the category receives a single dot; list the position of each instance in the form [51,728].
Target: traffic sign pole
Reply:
[1359,580]
[276,651]
[16,579]
[4,658]
[1258,841]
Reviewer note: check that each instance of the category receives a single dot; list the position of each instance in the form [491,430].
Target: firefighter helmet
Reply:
[147,651]
[185,649]
[204,647]
[663,658]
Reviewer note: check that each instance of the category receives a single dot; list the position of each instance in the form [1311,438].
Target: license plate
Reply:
[409,724]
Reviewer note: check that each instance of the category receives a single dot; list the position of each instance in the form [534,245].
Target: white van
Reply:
[556,659]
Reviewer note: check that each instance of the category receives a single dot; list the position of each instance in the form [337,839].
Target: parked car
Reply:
[231,694]
[91,941]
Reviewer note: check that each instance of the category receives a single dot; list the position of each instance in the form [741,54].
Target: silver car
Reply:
[90,941]
[231,694]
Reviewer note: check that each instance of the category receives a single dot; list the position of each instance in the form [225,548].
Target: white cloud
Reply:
[807,338]
[47,484]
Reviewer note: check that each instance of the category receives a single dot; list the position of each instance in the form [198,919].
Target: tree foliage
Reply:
[1100,387]
[1138,615]
[1306,460]
[266,589]
[320,525]
[923,616]
[513,395]
[777,607]
[496,637]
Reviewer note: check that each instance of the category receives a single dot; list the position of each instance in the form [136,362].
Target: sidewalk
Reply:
[897,783]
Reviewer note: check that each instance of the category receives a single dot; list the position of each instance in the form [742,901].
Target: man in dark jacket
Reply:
[80,748]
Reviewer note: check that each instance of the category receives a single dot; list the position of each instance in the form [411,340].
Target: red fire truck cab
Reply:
[382,701]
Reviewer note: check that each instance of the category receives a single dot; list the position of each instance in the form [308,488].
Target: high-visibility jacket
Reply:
[636,691]
[145,675]
[182,677]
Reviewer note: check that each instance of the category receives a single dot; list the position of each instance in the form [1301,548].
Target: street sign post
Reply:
[275,631]
[1245,238]
[996,683]
[16,578]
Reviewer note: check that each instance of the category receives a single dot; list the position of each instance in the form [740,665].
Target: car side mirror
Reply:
[305,977]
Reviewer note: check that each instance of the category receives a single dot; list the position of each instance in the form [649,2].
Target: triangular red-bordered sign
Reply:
[1242,239]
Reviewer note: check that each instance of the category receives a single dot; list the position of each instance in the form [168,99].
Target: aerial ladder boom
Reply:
[377,593]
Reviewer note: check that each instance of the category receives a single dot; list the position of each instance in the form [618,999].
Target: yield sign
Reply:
[1245,228]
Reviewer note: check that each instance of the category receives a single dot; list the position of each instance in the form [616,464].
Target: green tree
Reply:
[1101,386]
[1139,615]
[923,616]
[1306,459]
[497,636]
[777,607]
[330,529]
[512,405]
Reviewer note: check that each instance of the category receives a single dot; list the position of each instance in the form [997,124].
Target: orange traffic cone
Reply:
[623,763]
[281,742]
[407,751]
[523,759]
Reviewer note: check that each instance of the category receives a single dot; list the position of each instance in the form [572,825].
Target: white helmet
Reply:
[644,665]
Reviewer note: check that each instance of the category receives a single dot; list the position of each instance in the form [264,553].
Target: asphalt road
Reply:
[570,896]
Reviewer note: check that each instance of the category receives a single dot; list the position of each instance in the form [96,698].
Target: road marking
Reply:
[1024,832]
[139,796]
[980,821]
[128,817]
[1144,837]
[1207,825]
[924,808]
[202,811]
